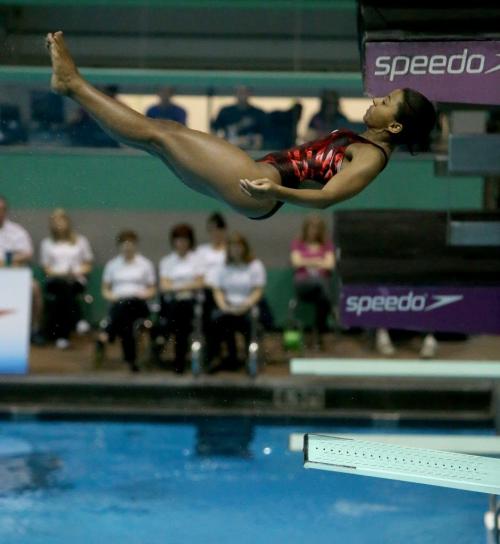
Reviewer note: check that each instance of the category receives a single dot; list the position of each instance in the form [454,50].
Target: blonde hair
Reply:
[69,235]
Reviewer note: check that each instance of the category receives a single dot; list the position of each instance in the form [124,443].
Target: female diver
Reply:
[343,163]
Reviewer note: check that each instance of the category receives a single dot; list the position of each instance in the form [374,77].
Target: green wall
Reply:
[349,5]
[128,182]
[133,181]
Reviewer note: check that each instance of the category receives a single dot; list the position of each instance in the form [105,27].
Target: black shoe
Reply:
[99,353]
[232,364]
[214,367]
[179,368]
[133,367]
[238,364]
[157,347]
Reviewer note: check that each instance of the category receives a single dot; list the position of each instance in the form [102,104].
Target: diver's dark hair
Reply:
[418,117]
[217,220]
[4,200]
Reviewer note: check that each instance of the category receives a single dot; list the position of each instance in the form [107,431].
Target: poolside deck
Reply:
[67,383]
[78,360]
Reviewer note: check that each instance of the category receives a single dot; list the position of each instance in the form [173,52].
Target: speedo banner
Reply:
[454,71]
[447,309]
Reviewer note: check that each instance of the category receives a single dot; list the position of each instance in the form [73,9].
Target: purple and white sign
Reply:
[471,310]
[455,71]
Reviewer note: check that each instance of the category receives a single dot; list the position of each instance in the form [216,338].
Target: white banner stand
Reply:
[15,317]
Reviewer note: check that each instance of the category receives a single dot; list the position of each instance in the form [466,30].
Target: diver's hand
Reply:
[260,189]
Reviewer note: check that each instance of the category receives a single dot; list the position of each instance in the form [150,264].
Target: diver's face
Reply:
[382,114]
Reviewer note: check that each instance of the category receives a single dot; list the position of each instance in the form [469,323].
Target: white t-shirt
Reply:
[63,256]
[238,281]
[180,270]
[210,260]
[129,279]
[14,238]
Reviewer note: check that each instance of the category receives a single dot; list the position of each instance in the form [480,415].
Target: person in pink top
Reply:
[313,259]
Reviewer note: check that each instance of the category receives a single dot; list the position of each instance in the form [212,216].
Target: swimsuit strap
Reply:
[357,136]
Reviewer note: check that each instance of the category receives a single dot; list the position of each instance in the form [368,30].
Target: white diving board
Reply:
[404,368]
[395,462]
[473,444]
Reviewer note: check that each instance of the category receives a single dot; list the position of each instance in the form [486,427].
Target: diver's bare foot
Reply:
[65,76]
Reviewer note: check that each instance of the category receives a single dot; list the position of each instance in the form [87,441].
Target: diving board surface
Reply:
[395,462]
[472,444]
[405,368]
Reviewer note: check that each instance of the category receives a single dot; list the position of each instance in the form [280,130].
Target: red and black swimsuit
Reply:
[318,160]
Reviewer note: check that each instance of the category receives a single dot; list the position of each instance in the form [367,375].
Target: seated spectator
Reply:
[384,344]
[313,260]
[128,283]
[66,258]
[47,117]
[211,256]
[328,118]
[166,109]
[281,128]
[16,249]
[238,286]
[242,124]
[180,279]
[84,131]
[12,129]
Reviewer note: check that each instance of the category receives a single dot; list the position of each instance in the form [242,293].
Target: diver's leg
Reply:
[204,162]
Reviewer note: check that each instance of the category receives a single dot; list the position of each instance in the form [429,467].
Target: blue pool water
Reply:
[137,483]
